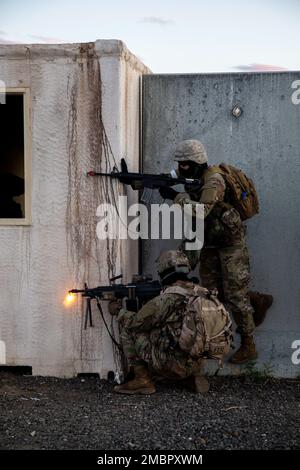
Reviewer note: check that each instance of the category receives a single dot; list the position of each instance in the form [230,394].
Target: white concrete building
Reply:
[78,105]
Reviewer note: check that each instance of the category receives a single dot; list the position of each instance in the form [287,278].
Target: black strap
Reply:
[106,326]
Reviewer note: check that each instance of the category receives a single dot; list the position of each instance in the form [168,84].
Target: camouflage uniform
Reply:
[151,335]
[224,258]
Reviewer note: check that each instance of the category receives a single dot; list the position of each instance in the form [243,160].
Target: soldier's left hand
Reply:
[168,193]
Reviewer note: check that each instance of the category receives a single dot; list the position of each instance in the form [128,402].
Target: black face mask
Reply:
[186,172]
[194,170]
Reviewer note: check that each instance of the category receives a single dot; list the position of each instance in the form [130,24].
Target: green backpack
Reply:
[242,194]
[206,324]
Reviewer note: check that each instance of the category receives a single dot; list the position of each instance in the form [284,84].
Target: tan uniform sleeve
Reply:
[212,192]
[154,313]
[147,317]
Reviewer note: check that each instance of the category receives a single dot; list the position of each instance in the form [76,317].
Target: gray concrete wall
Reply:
[265,143]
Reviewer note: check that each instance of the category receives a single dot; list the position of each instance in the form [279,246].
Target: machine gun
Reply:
[147,182]
[136,293]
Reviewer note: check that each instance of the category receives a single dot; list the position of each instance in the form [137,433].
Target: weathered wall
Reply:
[265,142]
[79,94]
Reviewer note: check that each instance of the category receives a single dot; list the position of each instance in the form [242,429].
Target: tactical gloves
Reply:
[168,193]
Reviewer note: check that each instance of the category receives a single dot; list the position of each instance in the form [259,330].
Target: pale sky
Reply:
[169,36]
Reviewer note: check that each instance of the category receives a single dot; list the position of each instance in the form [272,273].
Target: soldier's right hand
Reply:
[114,306]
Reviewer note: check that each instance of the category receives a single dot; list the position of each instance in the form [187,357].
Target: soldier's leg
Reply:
[129,348]
[211,270]
[236,277]
[261,304]
[137,350]
[184,366]
[127,339]
[201,382]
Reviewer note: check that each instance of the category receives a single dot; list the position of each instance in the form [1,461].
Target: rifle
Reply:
[147,182]
[136,293]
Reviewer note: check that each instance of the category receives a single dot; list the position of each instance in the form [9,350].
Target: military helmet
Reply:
[190,150]
[172,261]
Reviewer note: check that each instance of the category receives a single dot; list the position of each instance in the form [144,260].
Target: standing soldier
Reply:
[224,258]
[172,333]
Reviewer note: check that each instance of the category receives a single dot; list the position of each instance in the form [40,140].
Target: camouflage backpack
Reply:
[242,194]
[206,325]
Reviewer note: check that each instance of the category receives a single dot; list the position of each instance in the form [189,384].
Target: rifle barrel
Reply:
[95,173]
[147,176]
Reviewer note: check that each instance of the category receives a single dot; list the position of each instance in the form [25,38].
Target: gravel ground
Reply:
[237,413]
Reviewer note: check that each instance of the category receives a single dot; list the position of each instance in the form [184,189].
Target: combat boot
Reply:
[141,384]
[201,384]
[260,303]
[246,352]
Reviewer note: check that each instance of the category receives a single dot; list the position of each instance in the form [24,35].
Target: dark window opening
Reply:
[12,197]
[17,370]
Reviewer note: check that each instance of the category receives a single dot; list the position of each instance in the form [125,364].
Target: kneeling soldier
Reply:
[172,333]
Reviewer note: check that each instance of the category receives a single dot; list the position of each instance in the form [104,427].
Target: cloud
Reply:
[156,20]
[4,40]
[259,68]
[7,41]
[46,39]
